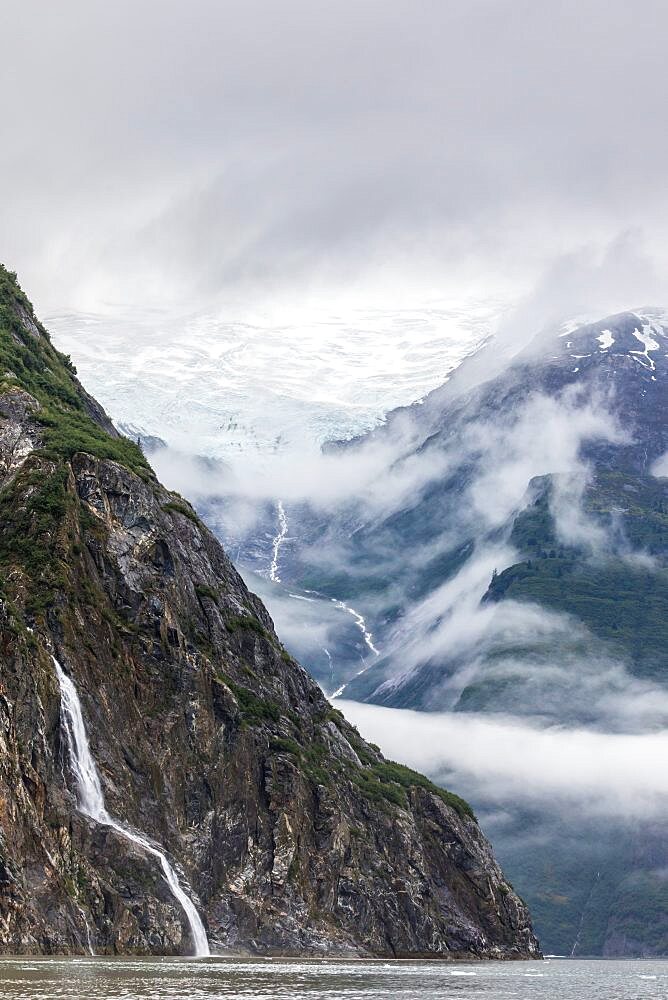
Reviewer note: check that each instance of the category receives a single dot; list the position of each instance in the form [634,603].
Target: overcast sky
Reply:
[365,151]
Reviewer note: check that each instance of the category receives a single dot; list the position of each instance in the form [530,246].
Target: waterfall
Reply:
[576,943]
[90,800]
[360,622]
[278,541]
[368,641]
[89,940]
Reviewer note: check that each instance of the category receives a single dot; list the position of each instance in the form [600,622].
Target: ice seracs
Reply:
[206,378]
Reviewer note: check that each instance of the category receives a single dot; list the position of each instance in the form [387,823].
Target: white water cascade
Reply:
[278,541]
[90,800]
[360,622]
[368,641]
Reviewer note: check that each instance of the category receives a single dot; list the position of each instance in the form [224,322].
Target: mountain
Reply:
[512,557]
[585,570]
[168,772]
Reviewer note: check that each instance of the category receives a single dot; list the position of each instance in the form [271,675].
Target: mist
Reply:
[501,760]
[388,471]
[499,461]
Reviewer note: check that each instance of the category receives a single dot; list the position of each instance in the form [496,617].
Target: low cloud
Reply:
[382,475]
[547,662]
[660,467]
[499,760]
[544,436]
[389,471]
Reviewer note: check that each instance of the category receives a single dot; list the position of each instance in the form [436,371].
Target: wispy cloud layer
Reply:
[497,759]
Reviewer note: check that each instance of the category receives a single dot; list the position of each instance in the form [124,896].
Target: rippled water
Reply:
[181,979]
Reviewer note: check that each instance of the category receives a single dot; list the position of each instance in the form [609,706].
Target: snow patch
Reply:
[646,338]
[605,339]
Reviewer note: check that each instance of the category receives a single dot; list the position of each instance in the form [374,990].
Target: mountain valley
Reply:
[511,559]
[170,778]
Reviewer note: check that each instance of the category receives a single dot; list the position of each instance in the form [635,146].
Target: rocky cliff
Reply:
[290,833]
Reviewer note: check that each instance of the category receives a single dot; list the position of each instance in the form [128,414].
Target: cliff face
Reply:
[290,832]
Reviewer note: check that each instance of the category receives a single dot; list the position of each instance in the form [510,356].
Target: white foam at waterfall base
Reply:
[90,800]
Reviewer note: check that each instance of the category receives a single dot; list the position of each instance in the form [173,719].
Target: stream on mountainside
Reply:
[313,597]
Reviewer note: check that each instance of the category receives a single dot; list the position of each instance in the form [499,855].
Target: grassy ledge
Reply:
[28,360]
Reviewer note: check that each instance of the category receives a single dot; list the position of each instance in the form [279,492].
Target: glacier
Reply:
[230,389]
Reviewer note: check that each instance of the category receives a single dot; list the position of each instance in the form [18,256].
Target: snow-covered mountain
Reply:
[461,468]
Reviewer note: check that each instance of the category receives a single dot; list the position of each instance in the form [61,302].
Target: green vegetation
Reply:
[376,789]
[381,781]
[336,716]
[31,511]
[203,590]
[49,376]
[279,744]
[252,708]
[389,781]
[70,431]
[181,507]
[389,772]
[247,623]
[385,779]
[318,763]
[89,522]
[622,601]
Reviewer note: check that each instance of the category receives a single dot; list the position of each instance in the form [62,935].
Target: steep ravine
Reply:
[291,833]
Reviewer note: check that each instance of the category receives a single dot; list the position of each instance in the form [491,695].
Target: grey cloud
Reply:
[163,153]
[660,467]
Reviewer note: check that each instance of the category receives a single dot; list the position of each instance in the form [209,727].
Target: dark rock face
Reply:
[293,834]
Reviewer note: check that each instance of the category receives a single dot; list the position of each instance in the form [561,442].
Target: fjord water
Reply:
[229,979]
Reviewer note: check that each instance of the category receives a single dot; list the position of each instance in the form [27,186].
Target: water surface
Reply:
[228,979]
